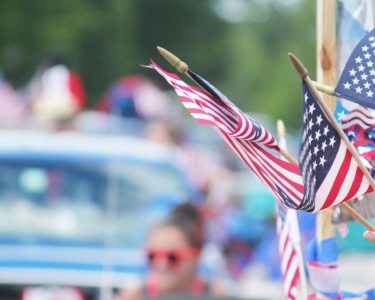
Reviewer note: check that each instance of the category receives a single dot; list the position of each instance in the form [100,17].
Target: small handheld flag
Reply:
[245,136]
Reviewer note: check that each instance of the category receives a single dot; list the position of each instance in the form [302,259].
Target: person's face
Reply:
[172,260]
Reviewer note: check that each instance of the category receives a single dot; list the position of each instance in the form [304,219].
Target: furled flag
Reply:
[357,81]
[289,250]
[292,268]
[330,173]
[242,133]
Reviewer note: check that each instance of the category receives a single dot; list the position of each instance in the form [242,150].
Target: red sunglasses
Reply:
[172,256]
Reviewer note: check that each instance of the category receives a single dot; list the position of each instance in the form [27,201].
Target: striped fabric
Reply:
[360,116]
[283,178]
[287,227]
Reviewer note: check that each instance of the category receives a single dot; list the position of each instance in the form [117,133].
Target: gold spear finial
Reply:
[302,71]
[181,66]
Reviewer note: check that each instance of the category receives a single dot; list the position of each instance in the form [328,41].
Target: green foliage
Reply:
[106,39]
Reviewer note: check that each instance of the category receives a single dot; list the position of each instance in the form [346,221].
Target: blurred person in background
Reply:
[12,109]
[173,250]
[135,97]
[198,165]
[56,94]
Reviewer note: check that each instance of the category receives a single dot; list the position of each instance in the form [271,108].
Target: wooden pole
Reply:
[302,71]
[326,74]
[297,241]
[326,46]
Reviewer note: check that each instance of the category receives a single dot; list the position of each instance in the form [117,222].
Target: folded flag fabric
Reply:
[330,173]
[250,140]
[323,155]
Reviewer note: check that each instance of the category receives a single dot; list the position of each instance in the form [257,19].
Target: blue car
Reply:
[75,208]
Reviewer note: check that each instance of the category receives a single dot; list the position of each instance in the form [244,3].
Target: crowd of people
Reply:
[55,99]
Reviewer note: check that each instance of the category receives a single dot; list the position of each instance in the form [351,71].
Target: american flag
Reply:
[288,232]
[359,127]
[243,134]
[292,268]
[357,81]
[330,173]
[361,117]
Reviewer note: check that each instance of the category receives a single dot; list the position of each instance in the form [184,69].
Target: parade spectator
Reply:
[173,252]
[135,97]
[56,93]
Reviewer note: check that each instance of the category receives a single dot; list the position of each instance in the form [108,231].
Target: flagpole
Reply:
[281,132]
[302,71]
[326,46]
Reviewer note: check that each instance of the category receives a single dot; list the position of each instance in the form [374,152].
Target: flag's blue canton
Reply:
[221,97]
[357,82]
[209,87]
[282,212]
[320,144]
[286,199]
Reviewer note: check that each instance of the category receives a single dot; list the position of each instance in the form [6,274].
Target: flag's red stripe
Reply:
[338,181]
[276,177]
[355,185]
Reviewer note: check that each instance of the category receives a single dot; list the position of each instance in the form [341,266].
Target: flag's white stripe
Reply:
[362,189]
[326,185]
[283,238]
[290,176]
[210,110]
[276,178]
[249,161]
[292,219]
[293,267]
[286,255]
[348,181]
[361,113]
[184,90]
[363,124]
[195,96]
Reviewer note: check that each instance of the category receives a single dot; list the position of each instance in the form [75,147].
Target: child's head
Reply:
[173,249]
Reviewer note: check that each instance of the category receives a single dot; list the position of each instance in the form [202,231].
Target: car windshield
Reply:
[84,202]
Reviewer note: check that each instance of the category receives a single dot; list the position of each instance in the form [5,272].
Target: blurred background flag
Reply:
[287,228]
[282,177]
[358,126]
[292,266]
[324,156]
[357,81]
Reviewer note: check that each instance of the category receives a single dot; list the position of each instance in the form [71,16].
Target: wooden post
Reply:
[326,67]
[326,74]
